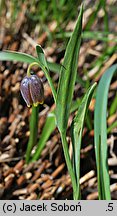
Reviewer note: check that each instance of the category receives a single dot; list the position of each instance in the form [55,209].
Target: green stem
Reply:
[30,66]
[33,131]
[105,16]
[113,125]
[69,164]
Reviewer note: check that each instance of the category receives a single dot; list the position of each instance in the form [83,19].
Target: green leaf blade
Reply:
[100,130]
[68,76]
[44,67]
[76,132]
[41,57]
[23,57]
[16,56]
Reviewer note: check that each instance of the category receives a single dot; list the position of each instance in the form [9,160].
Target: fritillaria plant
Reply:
[33,94]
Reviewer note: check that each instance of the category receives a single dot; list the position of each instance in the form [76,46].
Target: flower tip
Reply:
[35,104]
[41,102]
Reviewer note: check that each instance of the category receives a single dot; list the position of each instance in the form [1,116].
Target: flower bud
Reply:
[32,90]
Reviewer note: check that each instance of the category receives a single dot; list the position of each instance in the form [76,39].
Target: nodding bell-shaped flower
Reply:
[32,90]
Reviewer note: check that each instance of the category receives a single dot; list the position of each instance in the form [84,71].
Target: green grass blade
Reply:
[33,132]
[93,16]
[100,129]
[96,35]
[68,76]
[113,125]
[23,57]
[106,24]
[44,67]
[113,107]
[76,133]
[48,128]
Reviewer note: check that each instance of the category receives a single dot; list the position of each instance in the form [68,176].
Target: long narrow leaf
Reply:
[68,76]
[76,132]
[44,66]
[23,57]
[41,57]
[16,56]
[65,91]
[100,129]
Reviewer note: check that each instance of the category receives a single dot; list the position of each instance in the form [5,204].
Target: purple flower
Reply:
[32,90]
